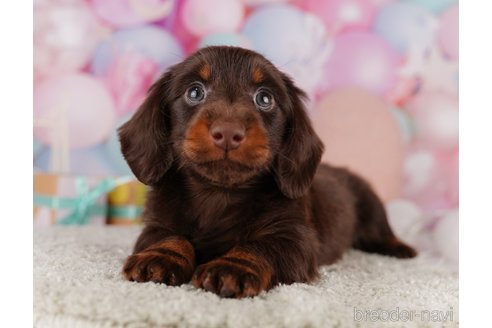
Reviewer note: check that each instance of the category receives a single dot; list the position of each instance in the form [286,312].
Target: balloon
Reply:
[261,2]
[409,224]
[120,13]
[359,132]
[81,102]
[446,236]
[212,16]
[90,161]
[436,118]
[361,59]
[403,215]
[405,123]
[225,39]
[296,42]
[37,147]
[420,166]
[435,6]
[148,41]
[338,15]
[65,37]
[113,149]
[448,34]
[431,178]
[175,25]
[405,25]
[129,60]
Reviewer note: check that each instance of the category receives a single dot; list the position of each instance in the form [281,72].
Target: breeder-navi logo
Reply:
[403,315]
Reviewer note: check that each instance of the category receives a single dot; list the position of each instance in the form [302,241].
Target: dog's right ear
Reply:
[144,138]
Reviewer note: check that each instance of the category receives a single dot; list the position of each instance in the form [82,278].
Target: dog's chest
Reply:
[219,221]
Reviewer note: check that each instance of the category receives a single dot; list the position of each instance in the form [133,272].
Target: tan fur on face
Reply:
[257,75]
[199,146]
[205,71]
[254,150]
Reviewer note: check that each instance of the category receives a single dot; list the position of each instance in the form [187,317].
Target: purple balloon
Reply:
[152,42]
[363,60]
[92,161]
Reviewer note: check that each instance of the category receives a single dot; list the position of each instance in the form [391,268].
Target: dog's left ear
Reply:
[301,150]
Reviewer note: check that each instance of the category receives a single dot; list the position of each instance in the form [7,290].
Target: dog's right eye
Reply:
[195,94]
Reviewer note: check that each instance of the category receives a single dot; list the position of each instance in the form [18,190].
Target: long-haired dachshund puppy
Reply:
[239,201]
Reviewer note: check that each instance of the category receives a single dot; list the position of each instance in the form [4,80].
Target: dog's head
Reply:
[228,115]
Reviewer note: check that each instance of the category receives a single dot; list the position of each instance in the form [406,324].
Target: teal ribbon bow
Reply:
[84,205]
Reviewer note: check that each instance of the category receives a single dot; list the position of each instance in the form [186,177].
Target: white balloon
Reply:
[446,237]
[402,214]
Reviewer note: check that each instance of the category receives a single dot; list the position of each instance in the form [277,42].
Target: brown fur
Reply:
[264,213]
[171,261]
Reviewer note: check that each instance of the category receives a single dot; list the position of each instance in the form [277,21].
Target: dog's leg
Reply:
[241,272]
[373,233]
[250,268]
[161,257]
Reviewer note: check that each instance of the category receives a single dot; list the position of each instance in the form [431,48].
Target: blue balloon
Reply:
[112,148]
[276,31]
[37,147]
[295,41]
[405,24]
[436,6]
[91,161]
[149,41]
[224,39]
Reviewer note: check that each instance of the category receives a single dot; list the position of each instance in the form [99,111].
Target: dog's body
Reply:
[238,200]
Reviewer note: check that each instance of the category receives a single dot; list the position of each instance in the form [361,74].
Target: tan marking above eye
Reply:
[257,75]
[205,71]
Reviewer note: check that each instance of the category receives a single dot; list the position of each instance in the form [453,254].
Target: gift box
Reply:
[126,203]
[71,200]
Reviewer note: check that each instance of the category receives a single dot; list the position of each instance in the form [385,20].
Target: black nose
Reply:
[227,135]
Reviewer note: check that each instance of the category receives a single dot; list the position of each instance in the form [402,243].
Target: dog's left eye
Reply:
[195,94]
[263,100]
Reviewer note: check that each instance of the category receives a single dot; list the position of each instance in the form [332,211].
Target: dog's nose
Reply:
[227,135]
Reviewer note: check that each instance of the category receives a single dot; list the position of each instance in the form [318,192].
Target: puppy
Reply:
[238,200]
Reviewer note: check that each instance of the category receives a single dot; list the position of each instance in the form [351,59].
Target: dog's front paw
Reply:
[228,280]
[170,269]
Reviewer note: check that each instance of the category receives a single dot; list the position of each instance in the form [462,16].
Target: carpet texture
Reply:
[77,283]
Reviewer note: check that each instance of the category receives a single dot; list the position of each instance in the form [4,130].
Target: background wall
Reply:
[382,76]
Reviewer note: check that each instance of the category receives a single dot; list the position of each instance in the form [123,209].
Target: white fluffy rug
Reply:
[77,283]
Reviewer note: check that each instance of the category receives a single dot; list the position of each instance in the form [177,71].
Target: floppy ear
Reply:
[144,138]
[301,150]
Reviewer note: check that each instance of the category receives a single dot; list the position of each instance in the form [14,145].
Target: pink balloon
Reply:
[212,16]
[359,132]
[431,178]
[129,77]
[262,2]
[174,24]
[65,36]
[361,59]
[78,100]
[123,13]
[435,115]
[448,34]
[339,15]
